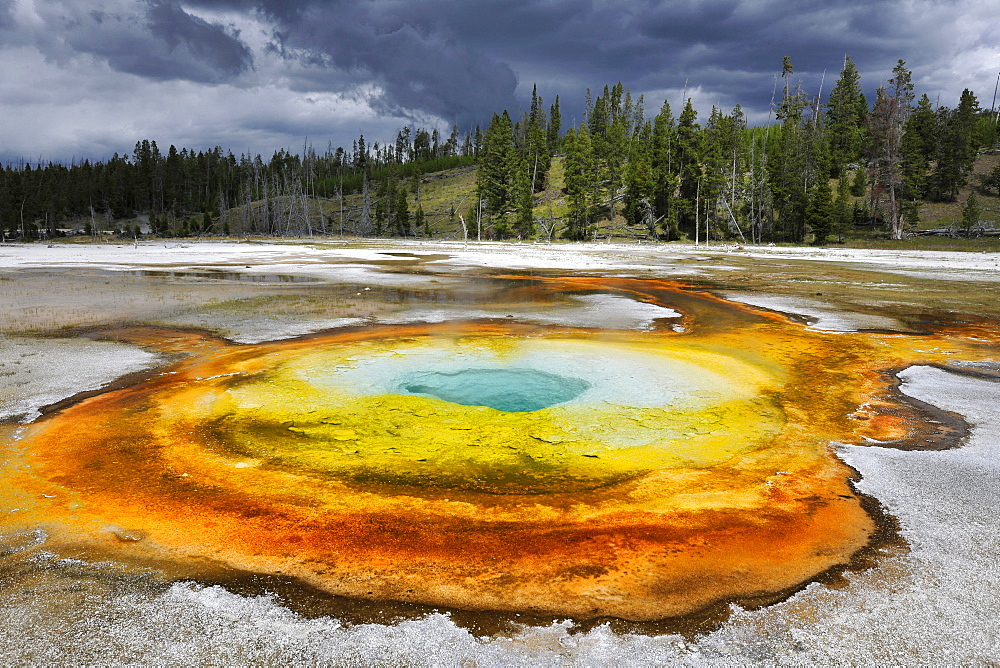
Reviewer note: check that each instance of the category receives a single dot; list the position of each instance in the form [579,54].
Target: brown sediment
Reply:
[174,344]
[147,472]
[15,419]
[313,602]
[174,341]
[900,421]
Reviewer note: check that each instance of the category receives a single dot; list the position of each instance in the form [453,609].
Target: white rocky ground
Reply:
[37,373]
[306,257]
[934,604]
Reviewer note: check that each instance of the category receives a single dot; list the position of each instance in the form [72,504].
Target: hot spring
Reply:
[509,390]
[489,464]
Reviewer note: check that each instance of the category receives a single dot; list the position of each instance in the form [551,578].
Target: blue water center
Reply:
[511,390]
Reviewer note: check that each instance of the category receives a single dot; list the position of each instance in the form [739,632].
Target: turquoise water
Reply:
[511,390]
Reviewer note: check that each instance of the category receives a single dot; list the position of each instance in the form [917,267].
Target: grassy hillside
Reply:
[456,188]
[938,215]
[446,195]
[941,214]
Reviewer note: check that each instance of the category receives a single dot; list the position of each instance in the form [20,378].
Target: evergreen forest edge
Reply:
[819,172]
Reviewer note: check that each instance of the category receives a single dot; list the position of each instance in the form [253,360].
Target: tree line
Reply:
[187,192]
[818,170]
[821,169]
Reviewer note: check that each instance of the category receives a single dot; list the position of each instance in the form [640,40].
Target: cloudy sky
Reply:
[86,78]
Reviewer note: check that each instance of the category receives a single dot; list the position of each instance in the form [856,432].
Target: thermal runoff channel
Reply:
[491,464]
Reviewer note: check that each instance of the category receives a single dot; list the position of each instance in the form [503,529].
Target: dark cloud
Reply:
[417,62]
[218,51]
[461,60]
[157,40]
[6,14]
[369,63]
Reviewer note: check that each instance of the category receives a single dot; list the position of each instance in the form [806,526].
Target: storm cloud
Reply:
[157,40]
[6,14]
[260,72]
[417,64]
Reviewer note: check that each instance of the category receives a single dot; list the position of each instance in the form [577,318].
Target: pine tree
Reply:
[688,165]
[524,220]
[846,112]
[758,198]
[715,170]
[420,222]
[579,178]
[555,121]
[971,212]
[640,183]
[538,157]
[361,155]
[923,125]
[401,213]
[819,215]
[381,217]
[665,170]
[968,128]
[788,164]
[498,163]
[606,149]
[477,142]
[991,181]
[451,146]
[859,185]
[841,215]
[917,148]
[956,148]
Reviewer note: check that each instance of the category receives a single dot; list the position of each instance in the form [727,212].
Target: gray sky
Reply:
[86,78]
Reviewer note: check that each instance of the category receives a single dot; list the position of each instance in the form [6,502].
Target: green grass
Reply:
[440,193]
[446,195]
[979,245]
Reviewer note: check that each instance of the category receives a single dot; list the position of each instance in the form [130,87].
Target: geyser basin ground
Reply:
[160,474]
[663,471]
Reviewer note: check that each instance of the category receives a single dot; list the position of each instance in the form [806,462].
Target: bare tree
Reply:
[886,121]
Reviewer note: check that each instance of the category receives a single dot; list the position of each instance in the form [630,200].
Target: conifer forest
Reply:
[826,167]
